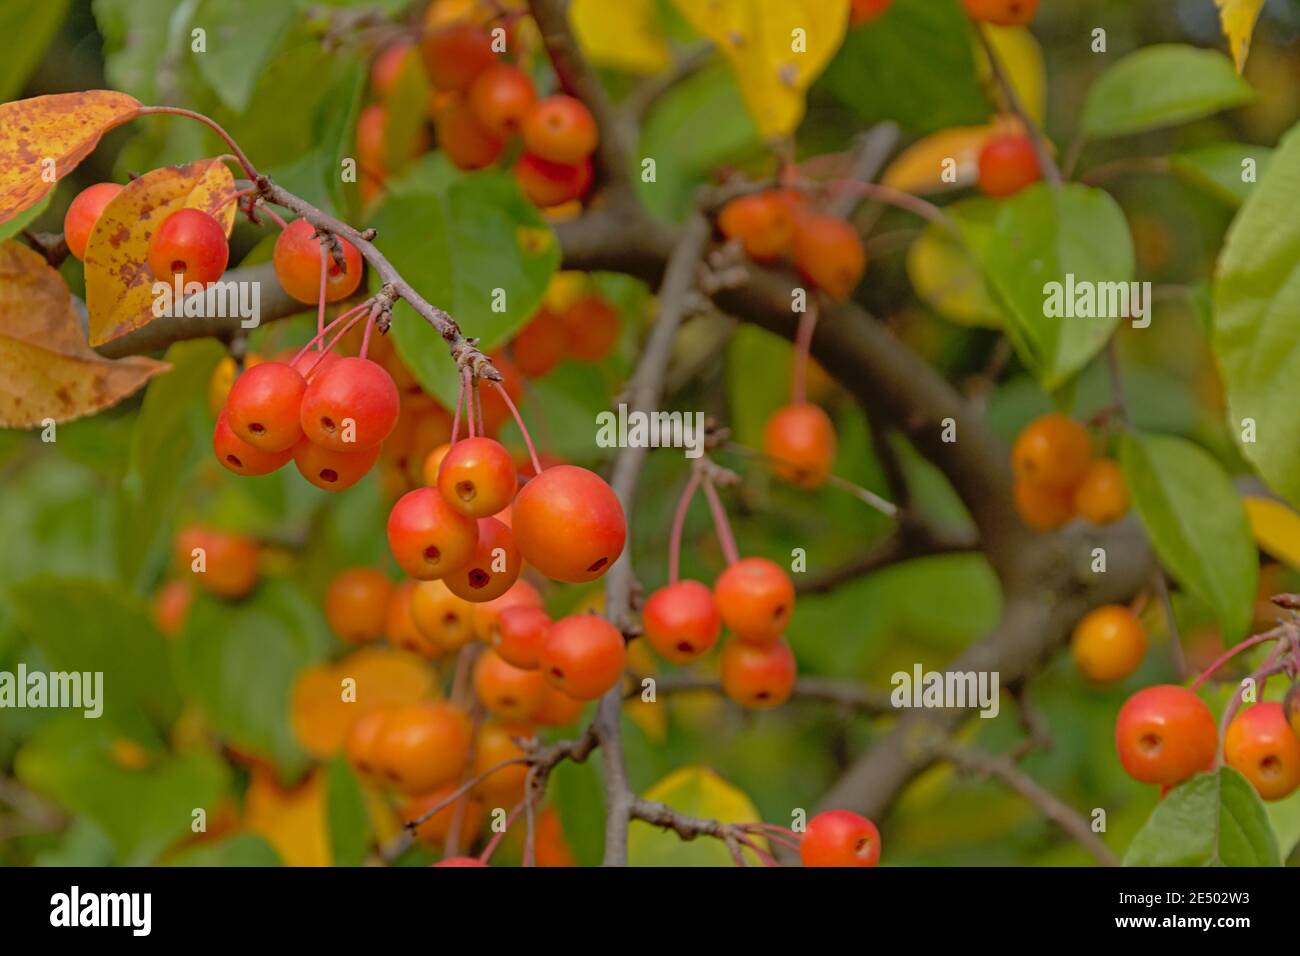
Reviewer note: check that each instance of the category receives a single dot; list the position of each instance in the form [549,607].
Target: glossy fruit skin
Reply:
[434,831]
[682,621]
[477,477]
[540,345]
[840,838]
[495,744]
[1261,744]
[501,97]
[399,624]
[433,464]
[313,364]
[549,184]
[829,253]
[1041,507]
[487,614]
[441,616]
[454,56]
[756,599]
[230,561]
[333,470]
[508,692]
[190,243]
[468,144]
[1165,734]
[1007,164]
[360,745]
[351,388]
[296,259]
[1109,643]
[583,656]
[427,537]
[560,129]
[387,67]
[422,746]
[239,456]
[1102,494]
[264,406]
[170,607]
[492,569]
[800,440]
[569,524]
[557,709]
[83,212]
[758,677]
[591,328]
[520,632]
[356,604]
[1003,13]
[762,223]
[1053,450]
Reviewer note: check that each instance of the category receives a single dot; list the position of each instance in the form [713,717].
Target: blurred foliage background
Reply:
[87,522]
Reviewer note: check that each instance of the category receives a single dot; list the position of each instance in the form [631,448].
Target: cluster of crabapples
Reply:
[479,104]
[1058,478]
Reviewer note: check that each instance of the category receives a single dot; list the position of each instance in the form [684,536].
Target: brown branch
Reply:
[1042,150]
[841,693]
[1006,772]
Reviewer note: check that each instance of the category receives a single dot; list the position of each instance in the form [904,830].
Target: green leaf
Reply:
[697,792]
[244,849]
[349,824]
[1257,321]
[139,37]
[172,434]
[1045,236]
[142,811]
[700,124]
[458,237]
[579,797]
[878,74]
[25,31]
[239,661]
[241,36]
[1197,524]
[1162,85]
[1220,169]
[758,380]
[1214,819]
[946,274]
[84,625]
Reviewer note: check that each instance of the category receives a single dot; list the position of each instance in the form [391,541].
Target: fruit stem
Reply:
[350,313]
[497,837]
[320,300]
[523,429]
[370,327]
[1266,670]
[460,403]
[802,346]
[679,523]
[212,124]
[1233,651]
[889,196]
[478,404]
[721,523]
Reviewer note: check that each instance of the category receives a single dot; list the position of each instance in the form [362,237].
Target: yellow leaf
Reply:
[947,278]
[1238,20]
[1276,528]
[46,369]
[294,821]
[697,792]
[1022,59]
[776,48]
[44,138]
[119,282]
[919,168]
[624,36]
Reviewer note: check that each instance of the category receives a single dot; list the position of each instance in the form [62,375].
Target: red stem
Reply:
[493,843]
[523,429]
[679,523]
[802,346]
[320,299]
[212,124]
[370,327]
[1233,652]
[478,404]
[720,523]
[325,331]
[460,403]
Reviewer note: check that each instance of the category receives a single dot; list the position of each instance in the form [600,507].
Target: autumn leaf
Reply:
[294,821]
[44,138]
[1022,60]
[1238,20]
[119,283]
[623,36]
[919,169]
[47,372]
[697,792]
[776,48]
[1276,528]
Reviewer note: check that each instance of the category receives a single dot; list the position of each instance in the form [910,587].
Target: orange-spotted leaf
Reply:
[47,372]
[119,283]
[42,139]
